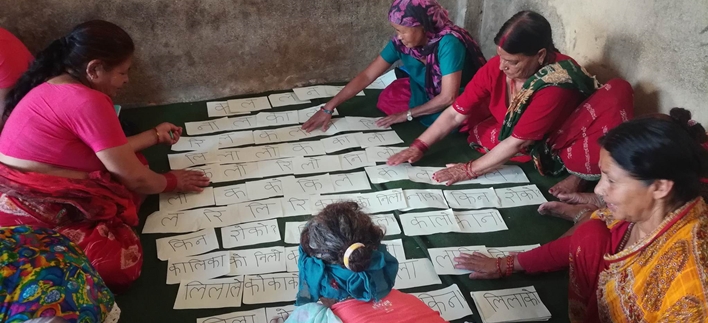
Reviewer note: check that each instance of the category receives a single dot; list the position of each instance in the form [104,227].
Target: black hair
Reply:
[651,149]
[339,225]
[526,32]
[95,39]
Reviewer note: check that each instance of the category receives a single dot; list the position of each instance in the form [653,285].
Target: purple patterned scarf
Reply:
[436,23]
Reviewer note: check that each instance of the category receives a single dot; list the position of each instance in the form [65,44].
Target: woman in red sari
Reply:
[526,104]
[65,163]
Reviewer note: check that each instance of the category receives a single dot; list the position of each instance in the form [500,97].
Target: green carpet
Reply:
[151,300]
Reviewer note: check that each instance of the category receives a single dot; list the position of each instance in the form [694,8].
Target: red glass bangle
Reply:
[171,182]
[422,146]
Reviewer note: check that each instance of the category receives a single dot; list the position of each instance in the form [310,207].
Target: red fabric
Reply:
[396,307]
[396,97]
[63,125]
[15,59]
[95,213]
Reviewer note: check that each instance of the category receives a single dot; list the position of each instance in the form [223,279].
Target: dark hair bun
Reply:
[695,129]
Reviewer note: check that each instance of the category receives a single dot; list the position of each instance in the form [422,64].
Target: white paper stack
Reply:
[510,305]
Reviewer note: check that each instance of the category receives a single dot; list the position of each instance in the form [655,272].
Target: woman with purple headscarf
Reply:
[439,58]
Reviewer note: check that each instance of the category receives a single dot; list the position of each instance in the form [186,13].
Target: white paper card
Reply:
[212,171]
[385,173]
[301,149]
[336,125]
[478,221]
[383,81]
[395,248]
[269,136]
[282,118]
[233,194]
[296,205]
[382,138]
[472,199]
[248,105]
[204,143]
[278,314]
[348,182]
[444,258]
[283,99]
[275,167]
[189,221]
[254,316]
[424,223]
[258,153]
[363,124]
[520,196]
[383,201]
[319,91]
[382,154]
[183,201]
[503,175]
[271,288]
[387,222]
[262,189]
[187,245]
[510,305]
[218,109]
[243,123]
[209,293]
[257,261]
[340,142]
[237,172]
[316,164]
[182,161]
[355,160]
[423,199]
[416,273]
[311,185]
[251,233]
[449,302]
[260,210]
[208,126]
[206,266]
[293,231]
[320,202]
[292,255]
[235,139]
[307,113]
[499,252]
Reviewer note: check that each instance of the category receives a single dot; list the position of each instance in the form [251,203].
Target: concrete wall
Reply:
[203,49]
[661,47]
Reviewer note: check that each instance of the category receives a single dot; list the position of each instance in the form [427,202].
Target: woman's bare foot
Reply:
[571,184]
[582,198]
[564,210]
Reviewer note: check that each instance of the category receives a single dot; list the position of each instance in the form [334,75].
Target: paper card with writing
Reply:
[311,185]
[218,109]
[293,231]
[301,149]
[254,316]
[310,92]
[355,160]
[385,173]
[510,305]
[333,90]
[212,171]
[424,199]
[283,99]
[231,156]
[320,202]
[275,167]
[259,153]
[472,199]
[263,189]
[292,255]
[382,81]
[235,139]
[207,266]
[336,125]
[316,164]
[520,196]
[363,124]
[348,182]
[194,158]
[444,258]
[340,142]
[237,172]
[387,222]
[395,248]
[257,261]
[282,118]
[382,138]
[416,273]
[305,114]
[215,217]
[260,210]
[478,221]
[425,175]
[251,233]
[499,252]
[503,175]
[278,314]
[202,143]
[208,126]
[382,154]
[243,123]
[296,205]
[383,201]
[425,223]
[187,244]
[292,133]
[171,222]
[270,136]
[449,302]
[248,105]
[209,293]
[270,288]
[232,194]
[184,201]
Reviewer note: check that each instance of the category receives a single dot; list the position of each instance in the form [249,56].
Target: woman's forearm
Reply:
[143,140]
[499,155]
[443,125]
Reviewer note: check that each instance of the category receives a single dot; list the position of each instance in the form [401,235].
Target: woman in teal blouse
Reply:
[439,57]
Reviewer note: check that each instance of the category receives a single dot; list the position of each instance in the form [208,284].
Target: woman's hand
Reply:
[392,119]
[319,119]
[482,266]
[163,133]
[454,173]
[410,155]
[190,181]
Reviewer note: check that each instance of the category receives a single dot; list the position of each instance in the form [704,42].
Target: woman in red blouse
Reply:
[527,104]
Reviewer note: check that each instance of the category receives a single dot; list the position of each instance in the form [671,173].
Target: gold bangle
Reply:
[157,133]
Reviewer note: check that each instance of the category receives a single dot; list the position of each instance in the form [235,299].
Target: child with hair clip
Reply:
[344,266]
